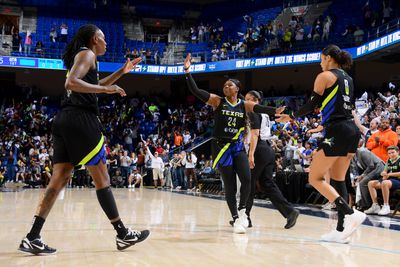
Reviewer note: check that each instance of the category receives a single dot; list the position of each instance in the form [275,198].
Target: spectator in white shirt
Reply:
[201,33]
[134,160]
[125,162]
[190,161]
[186,137]
[326,29]
[215,54]
[157,165]
[307,155]
[297,156]
[299,33]
[134,178]
[63,33]
[43,157]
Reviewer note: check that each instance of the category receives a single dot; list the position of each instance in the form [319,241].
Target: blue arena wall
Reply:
[226,65]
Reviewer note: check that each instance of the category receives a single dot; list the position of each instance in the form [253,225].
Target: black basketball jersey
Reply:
[230,120]
[338,99]
[393,166]
[87,101]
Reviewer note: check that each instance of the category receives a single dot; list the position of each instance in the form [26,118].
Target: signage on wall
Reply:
[226,65]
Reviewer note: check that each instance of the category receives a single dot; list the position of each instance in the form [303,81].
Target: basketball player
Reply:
[262,163]
[228,148]
[333,95]
[78,139]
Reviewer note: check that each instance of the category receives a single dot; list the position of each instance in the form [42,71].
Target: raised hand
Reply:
[130,65]
[187,63]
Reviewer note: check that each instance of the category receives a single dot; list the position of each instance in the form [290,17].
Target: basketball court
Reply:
[186,230]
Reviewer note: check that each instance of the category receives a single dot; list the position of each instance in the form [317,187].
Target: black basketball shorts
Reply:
[77,137]
[341,138]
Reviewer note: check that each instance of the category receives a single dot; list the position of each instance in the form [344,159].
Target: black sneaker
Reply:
[291,219]
[131,238]
[36,247]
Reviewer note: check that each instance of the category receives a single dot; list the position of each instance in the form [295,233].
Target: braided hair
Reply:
[81,39]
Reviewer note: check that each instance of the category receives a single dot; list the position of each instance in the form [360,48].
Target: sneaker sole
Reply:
[36,254]
[240,230]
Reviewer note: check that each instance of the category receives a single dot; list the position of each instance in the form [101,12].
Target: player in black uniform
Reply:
[78,139]
[262,163]
[228,148]
[333,95]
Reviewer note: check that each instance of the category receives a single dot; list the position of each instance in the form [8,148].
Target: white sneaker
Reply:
[385,210]
[329,206]
[238,228]
[374,209]
[243,218]
[352,222]
[335,237]
[129,186]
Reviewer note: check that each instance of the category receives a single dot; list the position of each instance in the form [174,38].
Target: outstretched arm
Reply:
[126,68]
[313,102]
[148,151]
[357,121]
[210,99]
[83,62]
[257,108]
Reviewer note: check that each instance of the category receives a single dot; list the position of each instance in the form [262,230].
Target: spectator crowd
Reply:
[149,142]
[274,37]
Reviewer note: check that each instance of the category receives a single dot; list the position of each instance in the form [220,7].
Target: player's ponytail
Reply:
[342,58]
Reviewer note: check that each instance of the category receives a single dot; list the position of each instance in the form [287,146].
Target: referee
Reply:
[262,163]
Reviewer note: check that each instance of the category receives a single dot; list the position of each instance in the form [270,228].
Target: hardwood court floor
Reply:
[185,231]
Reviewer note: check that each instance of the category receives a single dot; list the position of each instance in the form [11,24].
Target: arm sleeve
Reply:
[264,109]
[199,93]
[312,103]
